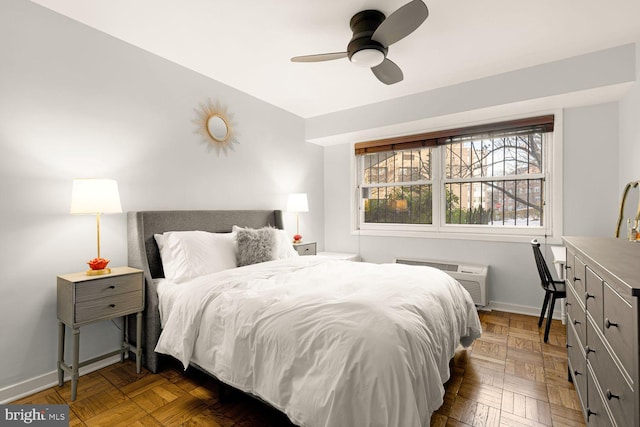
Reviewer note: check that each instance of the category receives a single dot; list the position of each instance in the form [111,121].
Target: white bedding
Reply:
[329,342]
[168,292]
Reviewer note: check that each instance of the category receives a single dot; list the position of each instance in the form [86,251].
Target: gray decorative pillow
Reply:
[254,246]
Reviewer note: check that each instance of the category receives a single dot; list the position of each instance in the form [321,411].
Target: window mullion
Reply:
[397,184]
[532,176]
[438,161]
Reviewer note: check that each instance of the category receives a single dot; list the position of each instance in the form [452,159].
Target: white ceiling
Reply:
[247,44]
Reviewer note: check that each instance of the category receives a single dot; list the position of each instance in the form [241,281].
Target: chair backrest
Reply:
[546,279]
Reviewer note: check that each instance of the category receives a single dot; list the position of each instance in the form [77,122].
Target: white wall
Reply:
[75,102]
[630,131]
[591,191]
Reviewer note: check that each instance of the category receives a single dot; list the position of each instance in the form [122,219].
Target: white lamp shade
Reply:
[95,196]
[297,203]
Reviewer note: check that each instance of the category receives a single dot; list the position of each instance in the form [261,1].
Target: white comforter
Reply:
[328,342]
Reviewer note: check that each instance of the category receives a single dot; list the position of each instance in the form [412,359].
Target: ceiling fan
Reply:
[373,33]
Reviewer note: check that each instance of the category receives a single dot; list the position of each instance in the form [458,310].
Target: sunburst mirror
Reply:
[216,127]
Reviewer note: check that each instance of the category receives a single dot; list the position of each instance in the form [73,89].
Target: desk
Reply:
[559,261]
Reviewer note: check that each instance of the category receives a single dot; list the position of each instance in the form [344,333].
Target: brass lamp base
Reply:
[98,272]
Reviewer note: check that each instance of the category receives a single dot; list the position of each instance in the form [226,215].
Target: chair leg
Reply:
[544,308]
[549,318]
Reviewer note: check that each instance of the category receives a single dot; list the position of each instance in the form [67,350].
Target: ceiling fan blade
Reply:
[388,72]
[319,57]
[401,23]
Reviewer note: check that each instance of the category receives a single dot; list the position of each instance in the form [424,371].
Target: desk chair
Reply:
[553,289]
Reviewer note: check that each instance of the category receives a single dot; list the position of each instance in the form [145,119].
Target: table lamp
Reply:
[96,196]
[297,203]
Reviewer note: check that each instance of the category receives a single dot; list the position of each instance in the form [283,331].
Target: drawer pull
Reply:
[569,346]
[567,267]
[588,295]
[611,395]
[576,279]
[608,324]
[589,413]
[112,305]
[576,373]
[576,322]
[112,287]
[589,349]
[567,304]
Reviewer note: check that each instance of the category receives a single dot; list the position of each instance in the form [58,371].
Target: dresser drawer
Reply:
[577,278]
[594,297]
[569,266]
[577,365]
[597,415]
[576,315]
[618,327]
[108,307]
[101,288]
[613,384]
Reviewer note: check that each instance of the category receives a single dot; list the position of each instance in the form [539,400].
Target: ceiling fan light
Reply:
[367,58]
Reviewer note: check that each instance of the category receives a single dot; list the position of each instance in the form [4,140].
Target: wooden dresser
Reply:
[603,285]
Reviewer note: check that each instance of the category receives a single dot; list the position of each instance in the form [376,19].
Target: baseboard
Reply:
[48,380]
[523,309]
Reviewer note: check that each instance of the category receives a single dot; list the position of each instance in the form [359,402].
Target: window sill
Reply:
[493,237]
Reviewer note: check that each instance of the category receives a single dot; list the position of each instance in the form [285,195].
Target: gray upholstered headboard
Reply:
[143,252]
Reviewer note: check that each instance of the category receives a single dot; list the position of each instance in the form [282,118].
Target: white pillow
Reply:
[189,254]
[284,247]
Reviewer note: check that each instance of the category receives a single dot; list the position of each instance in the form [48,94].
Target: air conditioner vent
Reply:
[438,265]
[472,277]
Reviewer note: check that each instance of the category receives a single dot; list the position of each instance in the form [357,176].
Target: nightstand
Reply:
[341,255]
[86,299]
[305,248]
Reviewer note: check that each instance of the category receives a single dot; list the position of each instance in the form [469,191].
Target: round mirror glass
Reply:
[217,128]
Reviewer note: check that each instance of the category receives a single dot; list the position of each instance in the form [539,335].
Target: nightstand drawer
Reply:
[104,288]
[77,291]
[305,248]
[114,306]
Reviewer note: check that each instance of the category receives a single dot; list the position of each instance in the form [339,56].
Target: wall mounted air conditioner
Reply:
[472,277]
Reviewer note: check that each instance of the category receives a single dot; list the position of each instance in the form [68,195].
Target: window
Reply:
[491,178]
[406,196]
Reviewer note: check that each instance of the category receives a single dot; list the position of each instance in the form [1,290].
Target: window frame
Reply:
[552,208]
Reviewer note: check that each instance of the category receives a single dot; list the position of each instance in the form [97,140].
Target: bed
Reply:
[328,342]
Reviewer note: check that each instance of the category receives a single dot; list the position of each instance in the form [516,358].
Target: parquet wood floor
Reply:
[508,378]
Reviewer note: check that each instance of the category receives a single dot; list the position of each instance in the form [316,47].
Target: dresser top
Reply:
[618,258]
